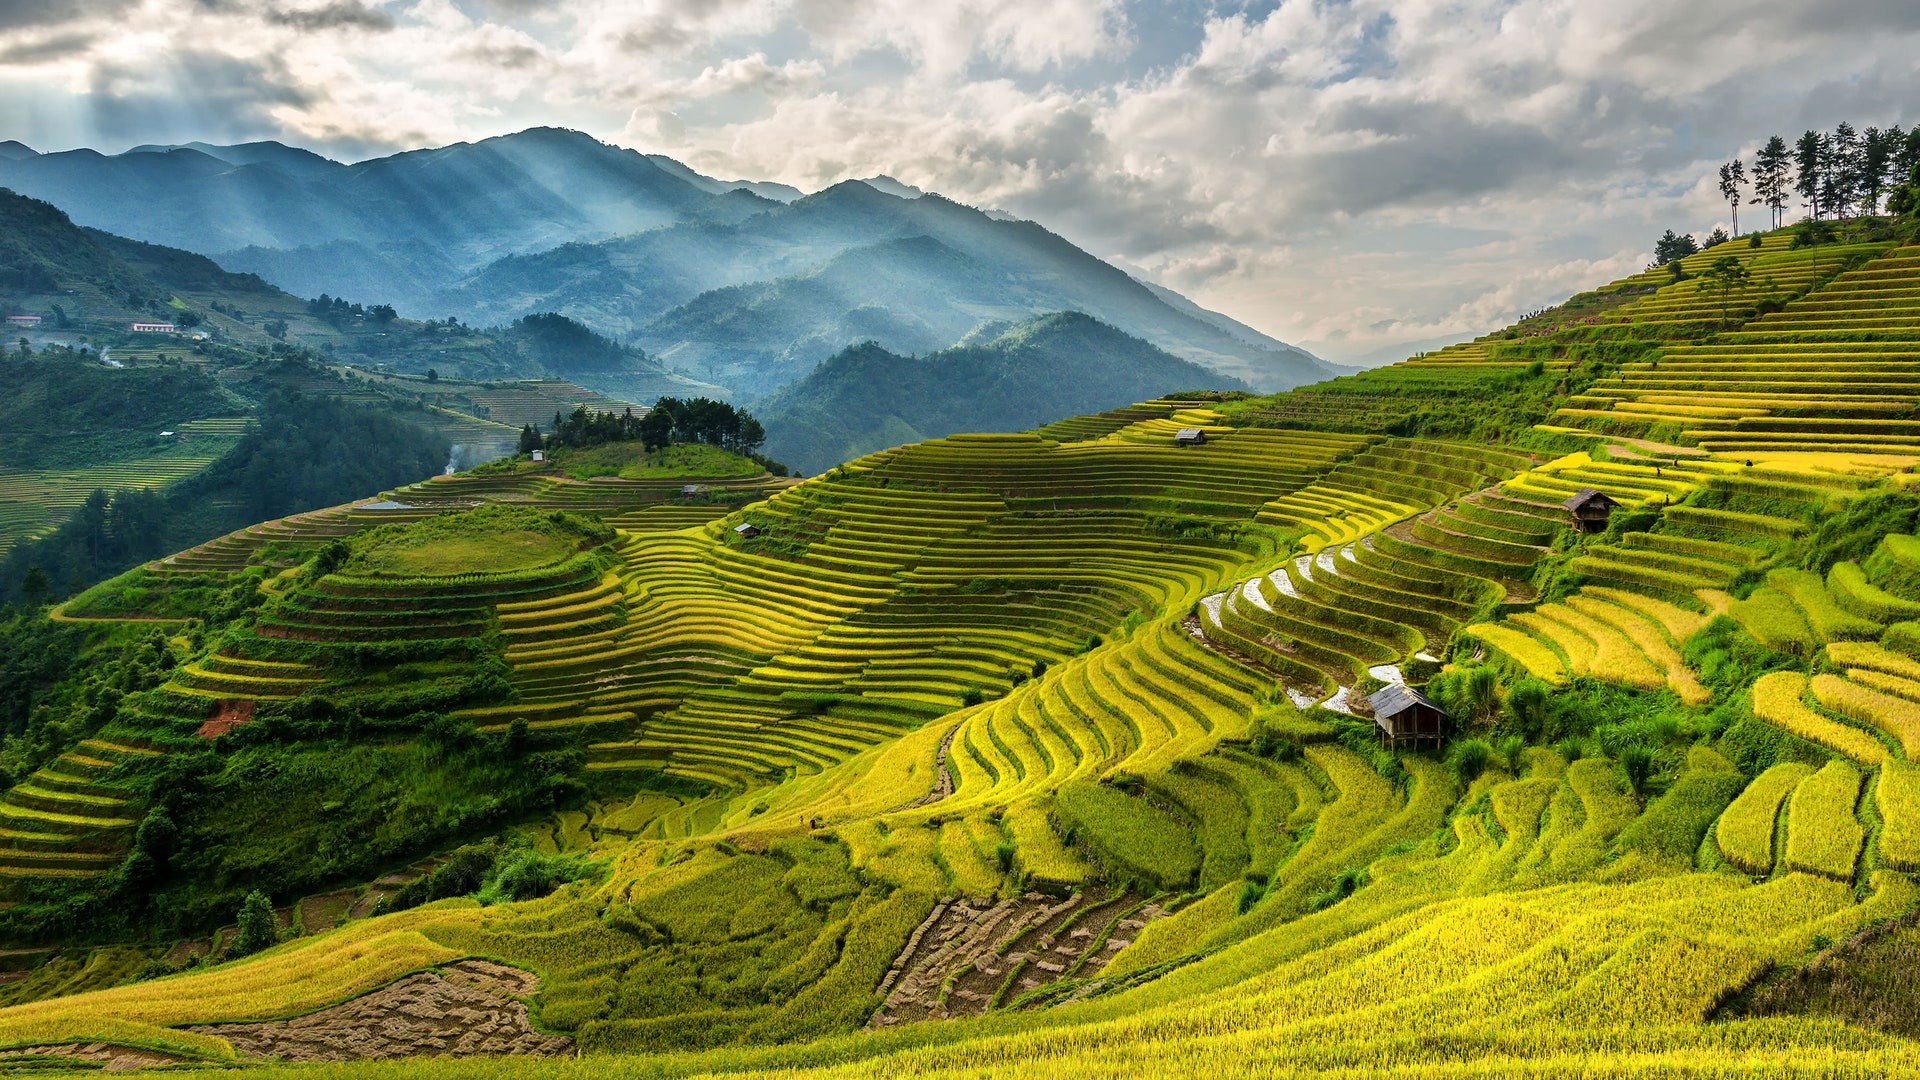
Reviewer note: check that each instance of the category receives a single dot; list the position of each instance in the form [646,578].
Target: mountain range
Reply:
[741,283]
[1004,378]
[88,284]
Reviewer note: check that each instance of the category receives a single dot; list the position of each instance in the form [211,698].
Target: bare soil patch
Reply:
[110,1058]
[467,1007]
[973,955]
[226,716]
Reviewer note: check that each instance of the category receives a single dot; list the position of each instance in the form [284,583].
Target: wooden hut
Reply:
[746,530]
[1404,714]
[1591,508]
[690,490]
[1189,436]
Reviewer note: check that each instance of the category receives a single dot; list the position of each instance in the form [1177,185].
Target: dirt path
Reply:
[467,1007]
[943,777]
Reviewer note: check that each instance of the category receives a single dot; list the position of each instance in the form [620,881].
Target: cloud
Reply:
[15,14]
[1335,170]
[336,15]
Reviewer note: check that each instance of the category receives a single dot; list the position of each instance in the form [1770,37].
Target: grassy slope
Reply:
[1527,913]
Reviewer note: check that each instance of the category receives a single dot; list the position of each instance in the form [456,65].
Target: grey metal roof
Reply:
[1398,698]
[1586,495]
[1188,433]
[746,526]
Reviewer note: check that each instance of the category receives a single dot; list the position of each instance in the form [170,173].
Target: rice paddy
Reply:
[1021,669]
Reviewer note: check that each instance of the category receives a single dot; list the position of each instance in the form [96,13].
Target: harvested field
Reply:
[467,1007]
[971,956]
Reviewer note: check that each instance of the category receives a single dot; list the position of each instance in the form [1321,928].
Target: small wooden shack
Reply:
[746,530]
[1189,436]
[1404,714]
[690,490]
[539,455]
[1591,508]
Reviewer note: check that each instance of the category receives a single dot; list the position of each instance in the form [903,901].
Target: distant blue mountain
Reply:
[743,283]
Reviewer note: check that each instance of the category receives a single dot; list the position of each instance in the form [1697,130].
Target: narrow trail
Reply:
[943,777]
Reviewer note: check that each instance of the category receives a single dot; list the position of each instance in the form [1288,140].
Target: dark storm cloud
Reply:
[338,15]
[200,95]
[41,50]
[19,14]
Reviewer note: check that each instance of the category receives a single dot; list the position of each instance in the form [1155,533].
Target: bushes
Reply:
[1727,658]
[258,929]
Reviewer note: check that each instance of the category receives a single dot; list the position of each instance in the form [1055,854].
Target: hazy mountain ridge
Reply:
[633,245]
[1008,378]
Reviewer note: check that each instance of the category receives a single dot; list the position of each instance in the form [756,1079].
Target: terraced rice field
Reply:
[32,502]
[1832,371]
[1006,667]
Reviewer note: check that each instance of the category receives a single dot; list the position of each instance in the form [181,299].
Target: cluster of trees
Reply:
[336,310]
[1836,174]
[671,420]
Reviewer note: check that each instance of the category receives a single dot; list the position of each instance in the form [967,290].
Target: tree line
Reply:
[1837,174]
[671,420]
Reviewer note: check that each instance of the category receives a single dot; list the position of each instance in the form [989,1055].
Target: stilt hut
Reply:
[1404,714]
[1591,508]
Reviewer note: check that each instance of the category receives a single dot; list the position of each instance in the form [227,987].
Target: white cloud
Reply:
[1347,172]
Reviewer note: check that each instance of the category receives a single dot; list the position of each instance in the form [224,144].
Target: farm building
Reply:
[23,320]
[746,530]
[1591,508]
[690,490]
[1189,436]
[155,328]
[539,455]
[1405,714]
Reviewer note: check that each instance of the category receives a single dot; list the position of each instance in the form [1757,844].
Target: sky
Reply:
[1350,175]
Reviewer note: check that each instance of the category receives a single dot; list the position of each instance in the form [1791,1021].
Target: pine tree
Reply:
[1840,175]
[1733,176]
[1770,167]
[1809,153]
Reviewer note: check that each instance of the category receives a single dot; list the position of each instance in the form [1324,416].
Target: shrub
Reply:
[1469,758]
[257,927]
[1636,768]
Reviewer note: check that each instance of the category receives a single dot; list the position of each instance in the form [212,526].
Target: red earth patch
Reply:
[226,716]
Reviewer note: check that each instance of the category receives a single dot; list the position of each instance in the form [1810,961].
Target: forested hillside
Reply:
[1009,378]
[1543,705]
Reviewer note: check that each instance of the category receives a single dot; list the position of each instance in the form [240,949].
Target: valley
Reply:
[1051,750]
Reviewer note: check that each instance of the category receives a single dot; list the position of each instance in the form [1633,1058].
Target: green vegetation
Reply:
[716,763]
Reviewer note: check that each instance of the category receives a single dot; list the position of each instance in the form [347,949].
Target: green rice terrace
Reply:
[1094,750]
